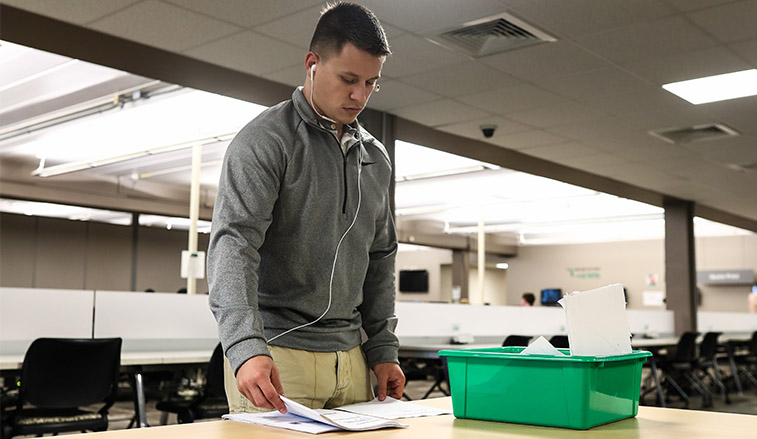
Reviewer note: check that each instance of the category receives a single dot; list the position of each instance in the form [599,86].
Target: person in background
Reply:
[302,247]
[527,299]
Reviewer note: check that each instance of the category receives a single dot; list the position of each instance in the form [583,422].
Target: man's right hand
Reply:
[258,380]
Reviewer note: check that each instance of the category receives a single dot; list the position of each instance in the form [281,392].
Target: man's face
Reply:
[344,82]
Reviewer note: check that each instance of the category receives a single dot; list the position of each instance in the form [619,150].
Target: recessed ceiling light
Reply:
[716,88]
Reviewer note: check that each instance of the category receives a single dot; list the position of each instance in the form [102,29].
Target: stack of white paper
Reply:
[355,417]
[597,323]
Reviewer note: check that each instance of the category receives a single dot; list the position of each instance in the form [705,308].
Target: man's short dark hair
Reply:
[530,298]
[343,23]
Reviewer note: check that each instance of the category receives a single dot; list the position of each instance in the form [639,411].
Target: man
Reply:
[302,250]
[527,299]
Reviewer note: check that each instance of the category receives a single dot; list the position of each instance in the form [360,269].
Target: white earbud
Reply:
[312,86]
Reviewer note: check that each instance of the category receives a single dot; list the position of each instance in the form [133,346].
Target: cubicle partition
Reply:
[439,322]
[155,322]
[30,313]
[734,323]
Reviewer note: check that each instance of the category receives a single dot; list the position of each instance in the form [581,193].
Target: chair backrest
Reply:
[560,341]
[70,372]
[686,350]
[214,381]
[709,346]
[516,340]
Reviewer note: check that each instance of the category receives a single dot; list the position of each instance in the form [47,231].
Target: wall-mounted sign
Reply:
[725,277]
[584,272]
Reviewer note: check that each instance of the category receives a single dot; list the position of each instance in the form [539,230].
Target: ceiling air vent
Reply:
[696,133]
[489,35]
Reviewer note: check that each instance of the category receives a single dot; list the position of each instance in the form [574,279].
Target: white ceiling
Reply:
[587,100]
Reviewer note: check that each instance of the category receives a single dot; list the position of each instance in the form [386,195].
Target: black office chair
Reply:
[680,363]
[209,403]
[747,363]
[58,377]
[560,341]
[707,362]
[516,340]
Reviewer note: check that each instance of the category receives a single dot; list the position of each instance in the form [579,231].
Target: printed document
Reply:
[315,421]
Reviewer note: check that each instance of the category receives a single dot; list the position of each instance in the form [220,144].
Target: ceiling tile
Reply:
[729,23]
[748,50]
[559,152]
[736,150]
[260,54]
[396,94]
[687,65]
[591,162]
[162,25]
[79,12]
[431,14]
[692,5]
[582,17]
[604,129]
[441,112]
[247,13]
[545,61]
[663,118]
[511,99]
[740,113]
[472,130]
[412,54]
[638,41]
[460,79]
[296,29]
[650,154]
[639,100]
[587,85]
[527,139]
[552,115]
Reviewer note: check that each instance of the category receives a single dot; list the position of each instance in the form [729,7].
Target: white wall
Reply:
[630,263]
[424,258]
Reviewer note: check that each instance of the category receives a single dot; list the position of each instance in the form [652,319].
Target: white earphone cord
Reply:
[336,253]
[312,102]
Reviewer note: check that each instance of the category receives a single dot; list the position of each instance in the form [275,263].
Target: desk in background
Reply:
[652,422]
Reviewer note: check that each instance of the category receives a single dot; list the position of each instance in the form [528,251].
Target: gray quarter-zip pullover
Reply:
[287,195]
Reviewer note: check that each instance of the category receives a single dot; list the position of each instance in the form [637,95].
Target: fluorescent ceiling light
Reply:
[716,88]
[143,127]
[53,210]
[413,162]
[503,265]
[66,168]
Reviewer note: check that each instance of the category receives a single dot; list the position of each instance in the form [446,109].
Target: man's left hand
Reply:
[391,380]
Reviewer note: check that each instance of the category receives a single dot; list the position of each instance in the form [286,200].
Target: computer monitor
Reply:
[550,296]
[413,281]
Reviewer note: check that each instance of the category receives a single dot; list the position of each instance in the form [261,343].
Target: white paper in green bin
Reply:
[597,324]
[541,346]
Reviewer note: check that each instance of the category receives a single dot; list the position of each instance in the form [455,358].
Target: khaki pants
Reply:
[314,379]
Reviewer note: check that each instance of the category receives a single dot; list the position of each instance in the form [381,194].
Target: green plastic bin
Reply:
[499,384]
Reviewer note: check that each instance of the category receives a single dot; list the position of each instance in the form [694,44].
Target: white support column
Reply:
[481,259]
[194,210]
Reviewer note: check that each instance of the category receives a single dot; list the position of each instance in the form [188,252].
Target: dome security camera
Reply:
[488,130]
